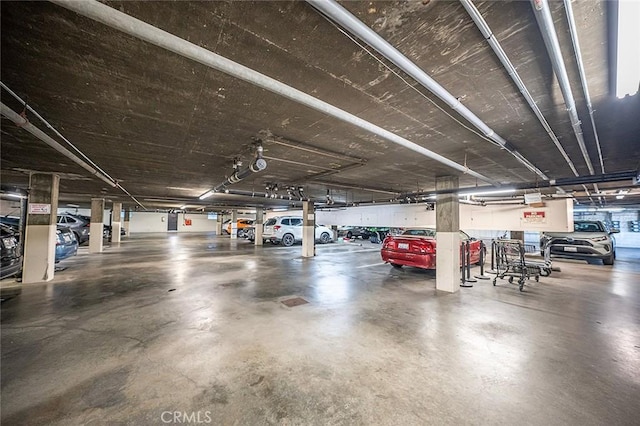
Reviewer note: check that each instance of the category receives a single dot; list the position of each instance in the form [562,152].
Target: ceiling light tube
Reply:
[206,195]
[628,53]
[488,192]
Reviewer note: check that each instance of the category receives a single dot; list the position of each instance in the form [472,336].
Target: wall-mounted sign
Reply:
[39,208]
[534,217]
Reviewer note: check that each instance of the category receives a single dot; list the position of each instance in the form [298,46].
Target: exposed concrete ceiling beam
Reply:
[139,29]
[337,13]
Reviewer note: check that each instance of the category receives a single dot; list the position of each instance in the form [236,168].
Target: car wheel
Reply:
[288,240]
[365,236]
[395,265]
[609,260]
[349,235]
[325,238]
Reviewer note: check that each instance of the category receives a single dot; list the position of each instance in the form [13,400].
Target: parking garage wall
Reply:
[145,222]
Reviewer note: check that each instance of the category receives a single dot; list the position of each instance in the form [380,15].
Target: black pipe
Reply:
[579,180]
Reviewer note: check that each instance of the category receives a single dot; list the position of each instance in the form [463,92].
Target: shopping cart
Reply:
[510,262]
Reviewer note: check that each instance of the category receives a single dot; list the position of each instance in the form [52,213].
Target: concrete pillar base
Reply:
[448,262]
[39,260]
[95,237]
[115,232]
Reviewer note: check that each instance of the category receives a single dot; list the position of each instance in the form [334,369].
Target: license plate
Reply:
[8,243]
[403,246]
[571,249]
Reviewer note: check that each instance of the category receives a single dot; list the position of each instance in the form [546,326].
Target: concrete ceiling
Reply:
[168,128]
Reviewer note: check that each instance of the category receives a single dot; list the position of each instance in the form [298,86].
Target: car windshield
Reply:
[421,232]
[588,227]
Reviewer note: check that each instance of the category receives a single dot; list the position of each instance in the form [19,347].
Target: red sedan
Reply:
[417,247]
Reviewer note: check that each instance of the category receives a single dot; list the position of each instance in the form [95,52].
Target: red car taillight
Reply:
[275,228]
[422,247]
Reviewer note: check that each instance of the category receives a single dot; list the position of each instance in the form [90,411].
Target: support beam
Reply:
[97,225]
[308,229]
[116,225]
[234,225]
[447,235]
[40,235]
[127,222]
[219,224]
[258,226]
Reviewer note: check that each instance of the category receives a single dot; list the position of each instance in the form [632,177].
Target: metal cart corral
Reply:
[510,262]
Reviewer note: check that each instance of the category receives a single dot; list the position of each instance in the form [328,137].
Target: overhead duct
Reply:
[545,23]
[137,28]
[630,175]
[340,15]
[257,165]
[583,75]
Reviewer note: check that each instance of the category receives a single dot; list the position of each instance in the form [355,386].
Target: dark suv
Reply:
[591,239]
[355,232]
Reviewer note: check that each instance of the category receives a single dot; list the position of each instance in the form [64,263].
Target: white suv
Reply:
[288,230]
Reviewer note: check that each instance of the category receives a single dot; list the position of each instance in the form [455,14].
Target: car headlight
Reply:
[599,239]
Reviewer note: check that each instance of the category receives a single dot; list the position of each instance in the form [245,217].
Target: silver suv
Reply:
[288,230]
[591,239]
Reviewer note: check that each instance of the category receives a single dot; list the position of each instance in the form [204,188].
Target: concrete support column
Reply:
[219,224]
[127,222]
[334,230]
[40,235]
[448,235]
[234,224]
[258,226]
[97,225]
[308,229]
[116,225]
[517,235]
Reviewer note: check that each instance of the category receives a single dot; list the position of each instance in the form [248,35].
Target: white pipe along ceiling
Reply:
[139,29]
[545,22]
[513,73]
[340,15]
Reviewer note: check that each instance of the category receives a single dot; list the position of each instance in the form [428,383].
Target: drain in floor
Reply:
[296,301]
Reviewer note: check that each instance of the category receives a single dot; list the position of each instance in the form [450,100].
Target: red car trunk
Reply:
[417,251]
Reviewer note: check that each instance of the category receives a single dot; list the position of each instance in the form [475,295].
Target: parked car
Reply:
[243,225]
[66,243]
[78,224]
[417,247]
[355,232]
[11,262]
[590,239]
[288,230]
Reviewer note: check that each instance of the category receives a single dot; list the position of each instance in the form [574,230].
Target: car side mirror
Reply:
[614,231]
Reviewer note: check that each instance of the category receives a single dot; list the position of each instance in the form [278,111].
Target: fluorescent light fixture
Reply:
[600,209]
[12,195]
[206,195]
[619,197]
[488,192]
[628,55]
[280,209]
[183,207]
[73,205]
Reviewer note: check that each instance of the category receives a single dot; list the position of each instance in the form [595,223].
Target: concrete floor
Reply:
[194,324]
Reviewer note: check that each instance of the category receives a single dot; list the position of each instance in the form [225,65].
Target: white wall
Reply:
[199,223]
[141,222]
[558,216]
